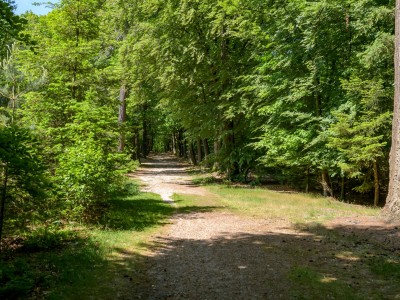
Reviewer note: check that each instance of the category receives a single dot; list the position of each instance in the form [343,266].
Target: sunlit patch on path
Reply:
[166,175]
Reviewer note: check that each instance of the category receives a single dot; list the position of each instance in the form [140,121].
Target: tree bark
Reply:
[192,155]
[217,149]
[199,150]
[229,147]
[184,149]
[327,191]
[206,148]
[181,144]
[174,144]
[308,179]
[392,207]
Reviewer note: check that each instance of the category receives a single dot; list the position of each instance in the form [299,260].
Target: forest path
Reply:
[208,252]
[165,175]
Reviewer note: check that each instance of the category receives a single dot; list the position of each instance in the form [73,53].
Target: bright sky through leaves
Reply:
[26,5]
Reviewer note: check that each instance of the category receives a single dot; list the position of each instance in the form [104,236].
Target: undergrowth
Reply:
[82,260]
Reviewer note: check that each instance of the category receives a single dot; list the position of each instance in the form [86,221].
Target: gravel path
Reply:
[166,175]
[218,256]
[215,254]
[211,255]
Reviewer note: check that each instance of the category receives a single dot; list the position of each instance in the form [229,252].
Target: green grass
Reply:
[309,284]
[203,180]
[387,268]
[85,262]
[295,207]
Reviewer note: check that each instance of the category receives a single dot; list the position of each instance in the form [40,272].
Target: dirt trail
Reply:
[166,175]
[215,254]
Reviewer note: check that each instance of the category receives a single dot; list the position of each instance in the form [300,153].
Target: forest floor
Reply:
[207,251]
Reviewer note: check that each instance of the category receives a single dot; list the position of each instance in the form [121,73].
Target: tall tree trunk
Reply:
[206,148]
[181,144]
[122,116]
[206,152]
[327,191]
[217,149]
[150,147]
[192,155]
[376,183]
[199,150]
[392,207]
[217,146]
[308,179]
[174,144]
[3,200]
[184,149]
[229,147]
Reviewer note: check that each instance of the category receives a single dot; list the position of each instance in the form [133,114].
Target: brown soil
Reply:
[219,255]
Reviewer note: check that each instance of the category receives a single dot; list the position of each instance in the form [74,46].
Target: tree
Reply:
[360,133]
[11,27]
[76,112]
[392,207]
[23,172]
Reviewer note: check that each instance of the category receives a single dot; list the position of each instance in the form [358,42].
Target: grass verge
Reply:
[263,203]
[86,262]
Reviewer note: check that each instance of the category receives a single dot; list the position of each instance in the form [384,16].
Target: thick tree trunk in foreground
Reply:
[392,207]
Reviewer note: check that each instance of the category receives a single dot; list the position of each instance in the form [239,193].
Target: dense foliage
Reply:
[294,91]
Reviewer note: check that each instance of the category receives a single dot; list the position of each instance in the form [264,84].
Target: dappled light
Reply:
[260,264]
[187,149]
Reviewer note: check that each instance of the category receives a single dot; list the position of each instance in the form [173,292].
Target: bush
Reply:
[89,173]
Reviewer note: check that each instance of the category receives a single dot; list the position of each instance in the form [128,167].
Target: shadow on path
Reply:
[318,263]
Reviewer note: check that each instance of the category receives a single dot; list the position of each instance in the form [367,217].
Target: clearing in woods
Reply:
[209,251]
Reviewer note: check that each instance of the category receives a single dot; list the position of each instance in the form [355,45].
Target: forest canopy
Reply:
[294,92]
